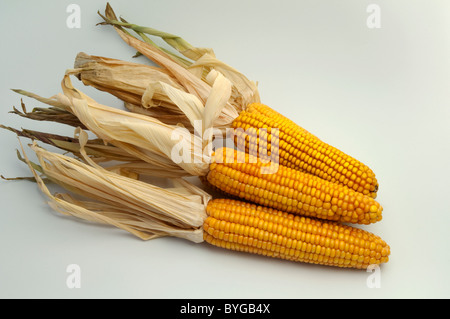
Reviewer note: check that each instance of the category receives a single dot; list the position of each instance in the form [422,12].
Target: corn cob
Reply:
[256,229]
[302,150]
[185,211]
[290,190]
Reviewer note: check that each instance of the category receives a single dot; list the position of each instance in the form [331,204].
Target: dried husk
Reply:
[190,69]
[56,113]
[147,138]
[141,136]
[125,80]
[141,208]
[162,115]
[112,157]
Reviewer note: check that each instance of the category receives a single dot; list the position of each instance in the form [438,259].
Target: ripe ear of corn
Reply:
[256,229]
[290,190]
[299,149]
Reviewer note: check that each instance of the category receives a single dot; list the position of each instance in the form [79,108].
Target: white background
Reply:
[381,95]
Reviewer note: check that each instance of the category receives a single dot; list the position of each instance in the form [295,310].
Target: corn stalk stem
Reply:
[174,41]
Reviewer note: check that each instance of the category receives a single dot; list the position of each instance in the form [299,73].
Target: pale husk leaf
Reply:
[141,208]
[123,79]
[189,104]
[163,115]
[193,85]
